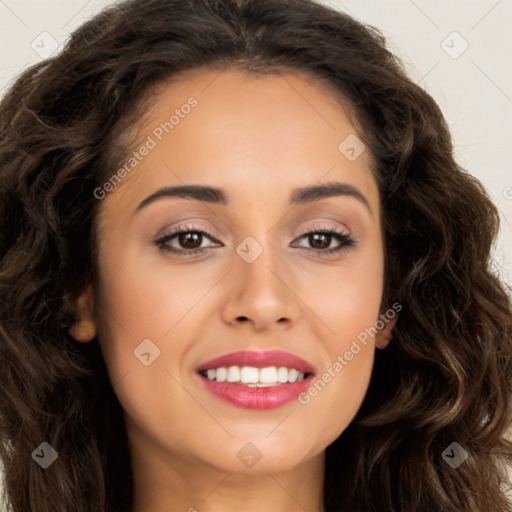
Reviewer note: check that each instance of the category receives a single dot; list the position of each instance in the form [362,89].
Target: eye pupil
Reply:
[323,238]
[187,240]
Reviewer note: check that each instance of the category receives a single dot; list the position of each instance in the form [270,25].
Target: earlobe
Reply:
[384,336]
[85,329]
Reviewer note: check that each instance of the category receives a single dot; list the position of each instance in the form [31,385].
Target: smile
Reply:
[254,377]
[248,379]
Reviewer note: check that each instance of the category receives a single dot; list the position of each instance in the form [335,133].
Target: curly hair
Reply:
[65,126]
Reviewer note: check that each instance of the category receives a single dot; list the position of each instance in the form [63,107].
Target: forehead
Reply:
[261,135]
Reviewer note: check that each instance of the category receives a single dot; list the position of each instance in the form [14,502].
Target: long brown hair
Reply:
[445,378]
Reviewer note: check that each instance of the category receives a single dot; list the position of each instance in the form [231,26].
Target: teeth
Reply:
[268,375]
[282,374]
[220,375]
[233,374]
[255,377]
[249,375]
[293,375]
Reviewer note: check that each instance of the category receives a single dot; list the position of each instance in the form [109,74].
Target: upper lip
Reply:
[258,359]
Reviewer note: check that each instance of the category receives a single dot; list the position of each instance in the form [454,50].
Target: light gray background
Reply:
[473,87]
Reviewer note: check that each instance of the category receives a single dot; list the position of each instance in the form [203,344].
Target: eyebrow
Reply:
[216,195]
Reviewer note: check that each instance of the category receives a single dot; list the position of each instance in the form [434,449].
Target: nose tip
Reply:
[260,297]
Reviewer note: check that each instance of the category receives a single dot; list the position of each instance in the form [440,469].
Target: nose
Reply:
[262,293]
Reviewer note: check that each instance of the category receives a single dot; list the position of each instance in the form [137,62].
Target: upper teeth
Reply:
[260,377]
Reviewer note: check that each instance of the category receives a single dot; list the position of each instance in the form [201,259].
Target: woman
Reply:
[242,270]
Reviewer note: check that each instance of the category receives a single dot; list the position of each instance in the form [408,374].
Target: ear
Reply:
[85,329]
[383,337]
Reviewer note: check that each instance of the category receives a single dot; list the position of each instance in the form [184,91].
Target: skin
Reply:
[258,139]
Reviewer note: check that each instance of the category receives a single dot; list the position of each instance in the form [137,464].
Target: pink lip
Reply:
[259,359]
[254,397]
[257,398]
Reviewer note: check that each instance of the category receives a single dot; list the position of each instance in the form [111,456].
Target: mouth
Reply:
[256,380]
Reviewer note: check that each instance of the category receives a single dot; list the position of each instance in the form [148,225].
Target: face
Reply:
[266,267]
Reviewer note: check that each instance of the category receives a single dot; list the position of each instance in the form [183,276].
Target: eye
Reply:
[187,237]
[321,239]
[189,241]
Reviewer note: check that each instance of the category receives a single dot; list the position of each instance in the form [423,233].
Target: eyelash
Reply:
[347,242]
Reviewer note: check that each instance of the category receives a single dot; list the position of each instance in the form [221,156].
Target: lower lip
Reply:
[257,398]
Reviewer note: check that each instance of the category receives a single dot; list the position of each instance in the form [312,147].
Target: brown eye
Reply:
[184,240]
[321,239]
[189,240]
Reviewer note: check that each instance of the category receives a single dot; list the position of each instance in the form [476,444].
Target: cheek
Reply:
[143,298]
[146,291]
[140,302]
[346,297]
[339,389]
[348,304]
